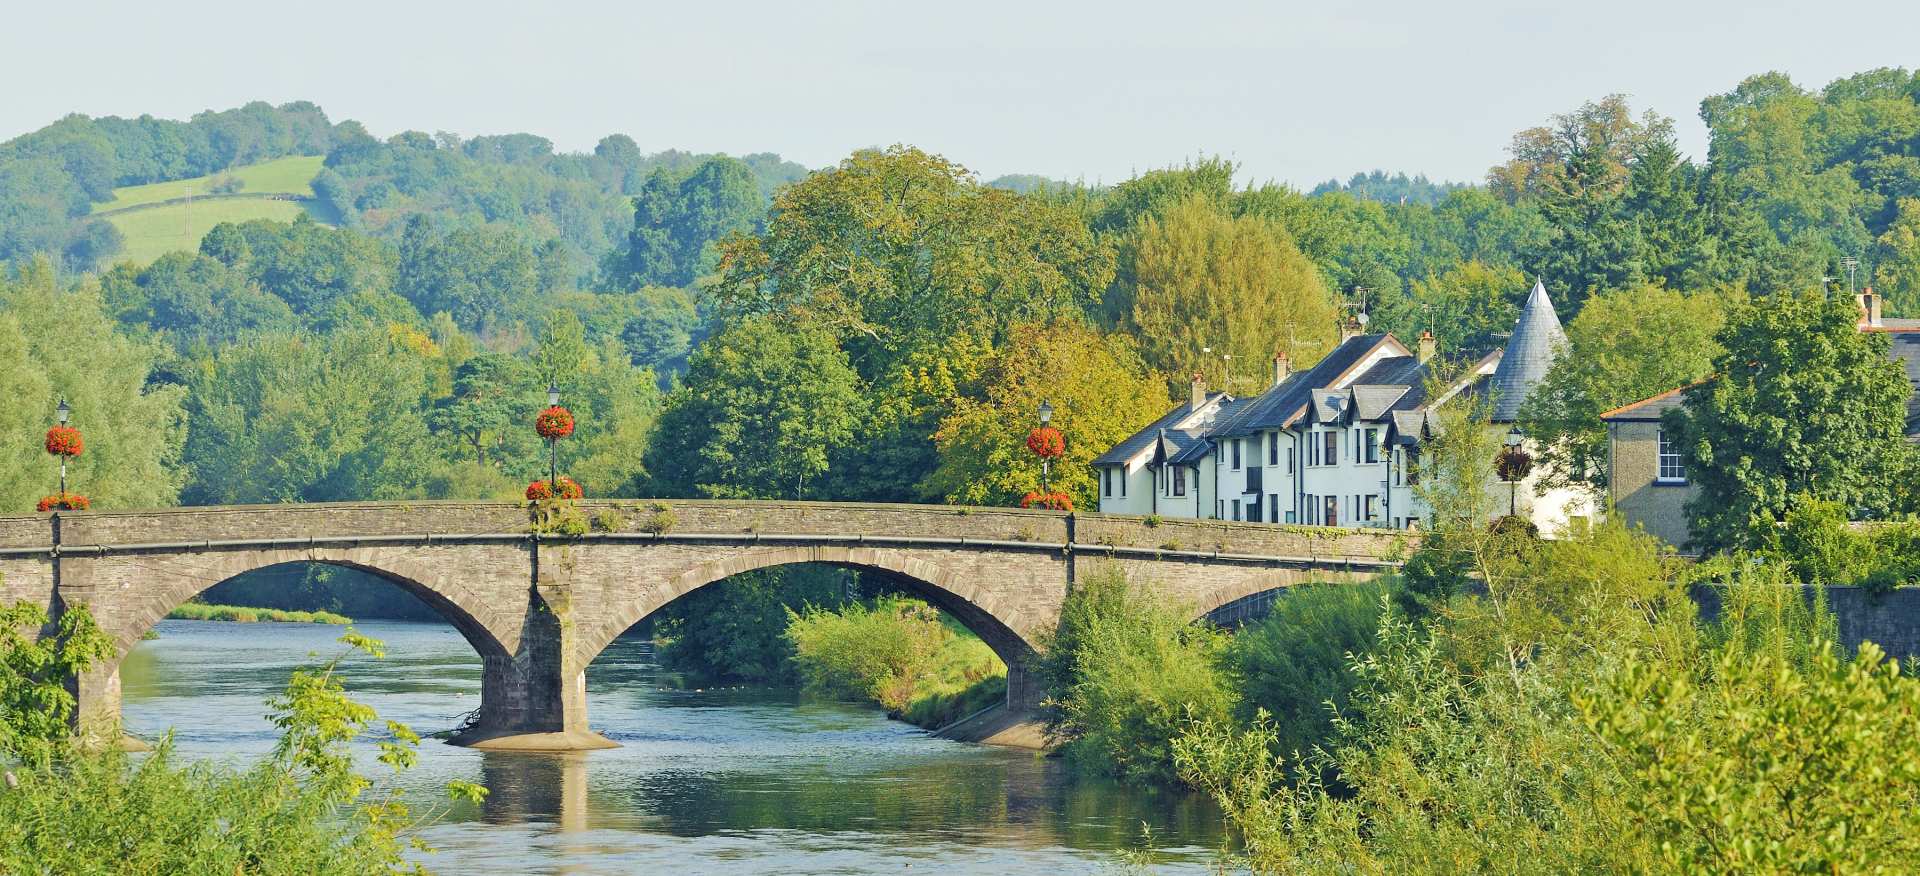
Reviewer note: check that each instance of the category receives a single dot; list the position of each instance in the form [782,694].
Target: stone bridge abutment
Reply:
[539,610]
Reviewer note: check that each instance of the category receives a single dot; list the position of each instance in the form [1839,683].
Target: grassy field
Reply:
[291,176]
[153,233]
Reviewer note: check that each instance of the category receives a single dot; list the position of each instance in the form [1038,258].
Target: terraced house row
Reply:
[1335,444]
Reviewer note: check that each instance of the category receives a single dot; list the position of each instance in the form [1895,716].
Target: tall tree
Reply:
[763,407]
[898,250]
[679,216]
[482,276]
[55,344]
[1468,308]
[1804,406]
[1897,266]
[1100,392]
[1202,279]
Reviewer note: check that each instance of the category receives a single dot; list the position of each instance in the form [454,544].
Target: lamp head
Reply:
[62,412]
[1046,412]
[553,394]
[1514,437]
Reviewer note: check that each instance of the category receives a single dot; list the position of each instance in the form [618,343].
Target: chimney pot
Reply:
[1869,308]
[1281,368]
[1427,346]
[1199,393]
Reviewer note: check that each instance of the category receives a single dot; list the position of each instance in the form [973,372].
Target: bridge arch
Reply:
[1001,626]
[178,579]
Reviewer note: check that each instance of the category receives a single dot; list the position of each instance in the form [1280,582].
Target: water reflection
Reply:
[751,781]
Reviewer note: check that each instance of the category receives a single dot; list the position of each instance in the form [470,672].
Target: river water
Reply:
[714,781]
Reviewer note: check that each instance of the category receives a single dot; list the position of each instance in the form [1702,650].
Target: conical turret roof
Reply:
[1537,341]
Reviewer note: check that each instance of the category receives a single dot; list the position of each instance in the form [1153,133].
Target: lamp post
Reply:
[60,416]
[1510,469]
[1046,414]
[553,446]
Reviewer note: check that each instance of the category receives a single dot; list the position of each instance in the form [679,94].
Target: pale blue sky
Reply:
[1295,92]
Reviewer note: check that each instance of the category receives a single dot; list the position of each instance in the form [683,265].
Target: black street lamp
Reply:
[553,446]
[1046,414]
[1512,470]
[60,415]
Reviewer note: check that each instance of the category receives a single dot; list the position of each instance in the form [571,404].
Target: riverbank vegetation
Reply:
[83,806]
[900,653]
[241,614]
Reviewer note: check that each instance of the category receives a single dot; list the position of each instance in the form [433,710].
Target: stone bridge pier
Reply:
[538,610]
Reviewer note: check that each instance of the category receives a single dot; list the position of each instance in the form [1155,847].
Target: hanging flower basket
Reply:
[63,502]
[554,423]
[539,491]
[1055,501]
[1045,442]
[64,441]
[1513,464]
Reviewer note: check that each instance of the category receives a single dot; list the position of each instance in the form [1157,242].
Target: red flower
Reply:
[63,502]
[554,422]
[1045,441]
[64,441]
[539,491]
[1054,501]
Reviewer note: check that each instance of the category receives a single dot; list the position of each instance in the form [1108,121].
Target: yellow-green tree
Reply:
[1100,393]
[57,343]
[1202,280]
[1898,271]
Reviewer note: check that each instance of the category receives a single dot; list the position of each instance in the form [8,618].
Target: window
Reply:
[1106,482]
[1121,476]
[1273,448]
[1331,515]
[1331,454]
[1273,508]
[1236,454]
[1290,517]
[1289,459]
[1236,509]
[1371,440]
[1253,510]
[1673,469]
[1370,510]
[1179,482]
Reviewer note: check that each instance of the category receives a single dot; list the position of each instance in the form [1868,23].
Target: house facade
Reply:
[1646,474]
[1334,444]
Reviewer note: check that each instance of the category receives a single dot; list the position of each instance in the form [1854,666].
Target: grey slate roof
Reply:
[1144,438]
[1371,400]
[1647,410]
[1278,406]
[1537,341]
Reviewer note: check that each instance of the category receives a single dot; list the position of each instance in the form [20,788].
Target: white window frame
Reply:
[1669,467]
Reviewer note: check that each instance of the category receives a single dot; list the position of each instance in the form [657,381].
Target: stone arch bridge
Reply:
[539,609]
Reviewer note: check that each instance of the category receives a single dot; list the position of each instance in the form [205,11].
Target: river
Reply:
[705,781]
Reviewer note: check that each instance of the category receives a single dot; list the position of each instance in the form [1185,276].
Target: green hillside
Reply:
[289,176]
[154,232]
[159,218]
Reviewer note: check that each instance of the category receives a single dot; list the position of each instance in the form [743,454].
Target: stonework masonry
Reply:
[537,611]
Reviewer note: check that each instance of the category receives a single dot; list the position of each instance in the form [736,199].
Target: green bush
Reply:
[734,631]
[901,653]
[1126,671]
[301,810]
[1297,663]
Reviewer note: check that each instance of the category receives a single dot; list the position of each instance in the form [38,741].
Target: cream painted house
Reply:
[1332,445]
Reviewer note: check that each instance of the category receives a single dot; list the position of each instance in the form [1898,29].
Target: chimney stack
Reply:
[1427,347]
[1199,394]
[1349,330]
[1869,309]
[1281,368]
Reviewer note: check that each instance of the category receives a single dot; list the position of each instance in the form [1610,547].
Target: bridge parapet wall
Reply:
[1329,543]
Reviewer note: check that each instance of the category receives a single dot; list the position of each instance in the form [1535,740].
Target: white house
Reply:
[1331,445]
